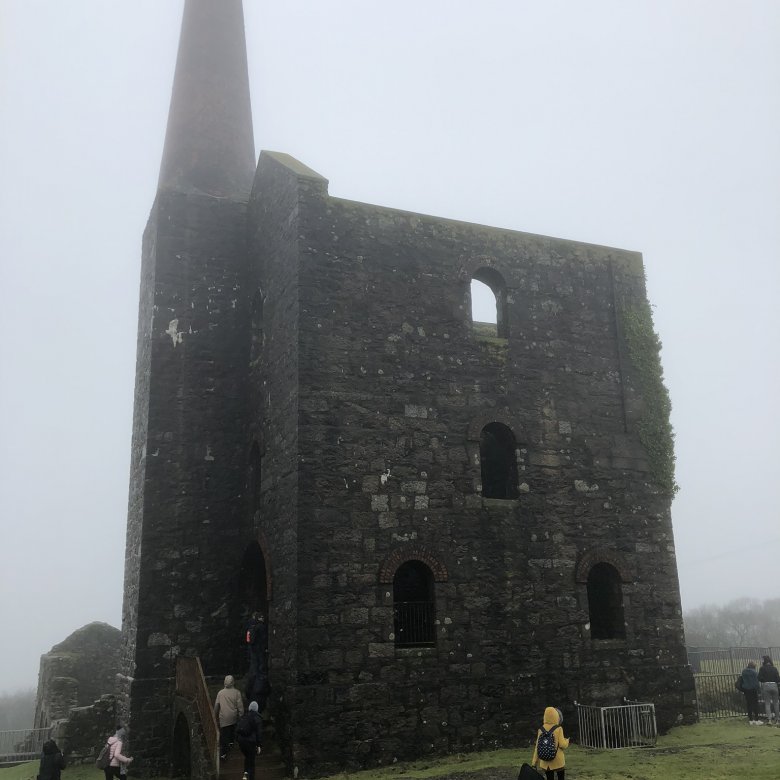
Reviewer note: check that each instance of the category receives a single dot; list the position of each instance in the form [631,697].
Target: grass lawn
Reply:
[721,750]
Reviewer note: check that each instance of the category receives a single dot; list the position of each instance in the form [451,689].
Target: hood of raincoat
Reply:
[50,747]
[551,717]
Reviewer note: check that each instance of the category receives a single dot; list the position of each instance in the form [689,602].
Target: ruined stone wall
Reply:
[77,671]
[395,386]
[86,729]
[185,521]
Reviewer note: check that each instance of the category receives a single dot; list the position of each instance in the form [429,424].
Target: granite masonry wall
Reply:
[187,473]
[394,386]
[310,397]
[76,672]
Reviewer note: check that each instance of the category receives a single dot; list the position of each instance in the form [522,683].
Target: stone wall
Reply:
[394,387]
[77,671]
[84,732]
[186,521]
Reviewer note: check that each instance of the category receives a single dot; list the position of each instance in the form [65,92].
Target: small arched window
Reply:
[489,303]
[414,608]
[498,460]
[605,603]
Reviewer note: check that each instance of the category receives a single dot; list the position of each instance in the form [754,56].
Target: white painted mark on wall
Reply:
[173,332]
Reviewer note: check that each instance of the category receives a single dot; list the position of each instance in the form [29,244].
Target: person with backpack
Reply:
[116,759]
[249,731]
[748,683]
[52,761]
[550,744]
[769,678]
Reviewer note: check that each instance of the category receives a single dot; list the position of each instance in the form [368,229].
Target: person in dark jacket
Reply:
[749,685]
[769,678]
[250,735]
[52,761]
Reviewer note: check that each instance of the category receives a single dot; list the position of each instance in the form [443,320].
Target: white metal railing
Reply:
[22,744]
[631,724]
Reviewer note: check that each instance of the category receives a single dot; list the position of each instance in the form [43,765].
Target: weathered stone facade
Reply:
[313,412]
[77,672]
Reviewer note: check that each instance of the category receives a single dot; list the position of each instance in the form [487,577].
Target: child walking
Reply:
[550,744]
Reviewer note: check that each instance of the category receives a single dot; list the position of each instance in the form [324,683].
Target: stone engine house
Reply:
[449,525]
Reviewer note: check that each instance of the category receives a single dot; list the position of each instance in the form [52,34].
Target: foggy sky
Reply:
[650,126]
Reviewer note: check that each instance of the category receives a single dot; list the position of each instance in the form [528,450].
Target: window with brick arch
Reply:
[414,607]
[489,303]
[605,603]
[498,461]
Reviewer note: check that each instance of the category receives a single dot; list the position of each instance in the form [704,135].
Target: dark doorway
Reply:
[605,603]
[253,590]
[181,764]
[498,462]
[253,580]
[414,611]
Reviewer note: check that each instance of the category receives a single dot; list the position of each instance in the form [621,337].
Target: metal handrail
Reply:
[191,683]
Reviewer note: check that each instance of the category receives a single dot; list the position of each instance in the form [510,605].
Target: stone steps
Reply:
[269,764]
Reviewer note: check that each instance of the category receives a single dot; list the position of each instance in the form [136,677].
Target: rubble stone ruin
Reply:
[449,525]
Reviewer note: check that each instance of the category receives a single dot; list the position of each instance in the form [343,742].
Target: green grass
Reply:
[707,751]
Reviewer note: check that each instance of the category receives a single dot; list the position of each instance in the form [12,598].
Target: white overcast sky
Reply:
[650,125]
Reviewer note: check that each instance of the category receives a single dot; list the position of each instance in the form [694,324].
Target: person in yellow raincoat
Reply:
[555,767]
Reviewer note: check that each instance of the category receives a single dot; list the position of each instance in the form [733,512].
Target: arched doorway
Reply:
[253,591]
[182,762]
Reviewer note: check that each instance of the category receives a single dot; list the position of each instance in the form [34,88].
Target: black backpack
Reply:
[546,747]
[245,726]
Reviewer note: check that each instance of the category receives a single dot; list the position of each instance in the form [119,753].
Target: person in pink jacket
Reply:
[115,746]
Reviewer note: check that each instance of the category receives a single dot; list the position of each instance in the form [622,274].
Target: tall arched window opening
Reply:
[498,461]
[414,608]
[489,303]
[605,603]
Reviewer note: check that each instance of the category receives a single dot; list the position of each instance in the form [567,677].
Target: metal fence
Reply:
[727,660]
[717,697]
[715,671]
[22,745]
[611,728]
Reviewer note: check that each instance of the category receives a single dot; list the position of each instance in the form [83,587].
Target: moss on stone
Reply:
[654,426]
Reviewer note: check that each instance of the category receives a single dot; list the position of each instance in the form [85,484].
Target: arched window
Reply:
[489,303]
[414,610]
[605,603]
[498,461]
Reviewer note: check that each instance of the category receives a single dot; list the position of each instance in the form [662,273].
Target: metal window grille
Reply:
[414,623]
[22,745]
[611,728]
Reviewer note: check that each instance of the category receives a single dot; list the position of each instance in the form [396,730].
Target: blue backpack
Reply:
[546,747]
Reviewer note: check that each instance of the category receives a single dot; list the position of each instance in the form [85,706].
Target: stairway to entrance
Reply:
[269,764]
